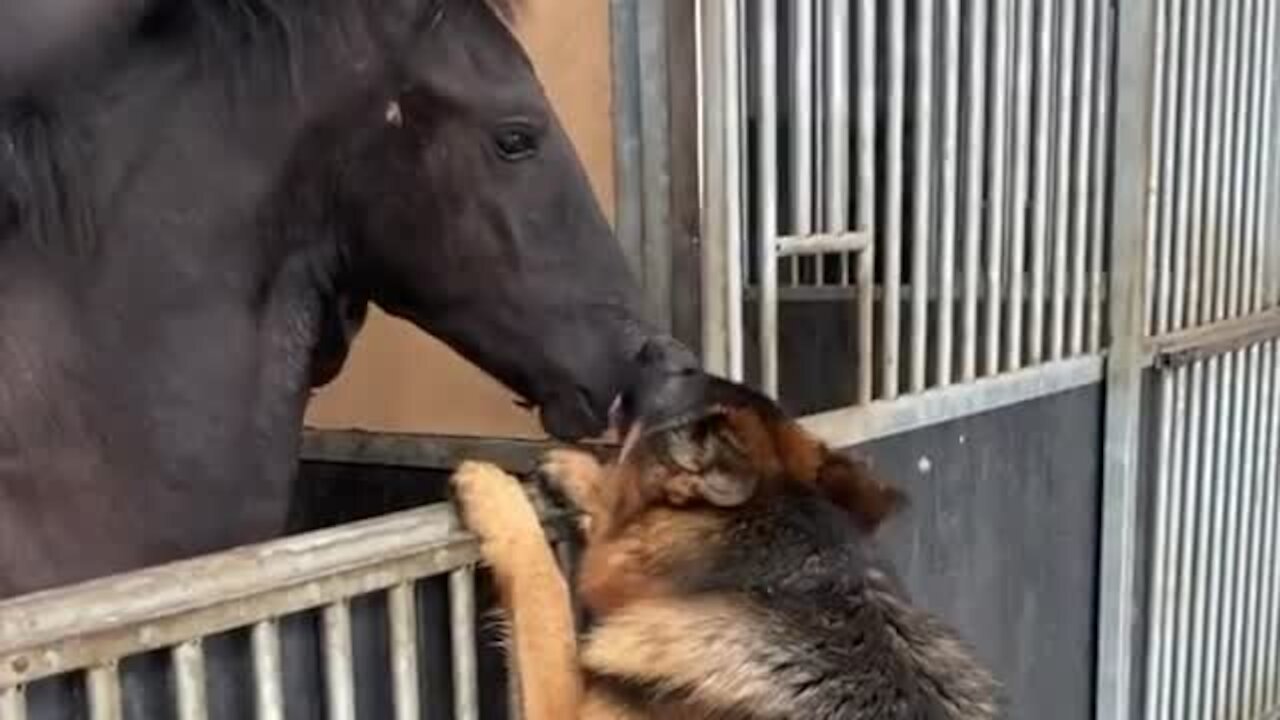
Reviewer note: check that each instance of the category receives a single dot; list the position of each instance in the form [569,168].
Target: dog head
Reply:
[695,439]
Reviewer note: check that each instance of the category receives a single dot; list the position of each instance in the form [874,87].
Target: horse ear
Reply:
[850,484]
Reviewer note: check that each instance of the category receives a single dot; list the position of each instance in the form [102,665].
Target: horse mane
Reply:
[256,47]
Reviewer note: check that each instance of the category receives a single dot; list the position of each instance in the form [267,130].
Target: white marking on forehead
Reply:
[393,114]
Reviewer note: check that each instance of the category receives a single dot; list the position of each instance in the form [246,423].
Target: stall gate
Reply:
[999,201]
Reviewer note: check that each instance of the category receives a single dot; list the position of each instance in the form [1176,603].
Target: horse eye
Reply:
[516,143]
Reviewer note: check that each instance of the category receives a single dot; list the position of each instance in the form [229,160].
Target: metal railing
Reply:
[91,628]
[947,176]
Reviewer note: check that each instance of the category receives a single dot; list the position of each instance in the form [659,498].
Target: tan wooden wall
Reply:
[401,380]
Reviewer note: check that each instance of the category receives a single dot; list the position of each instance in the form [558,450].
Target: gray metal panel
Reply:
[1001,541]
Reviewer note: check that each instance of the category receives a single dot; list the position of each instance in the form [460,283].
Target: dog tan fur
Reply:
[729,568]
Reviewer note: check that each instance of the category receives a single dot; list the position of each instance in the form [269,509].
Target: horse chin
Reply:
[570,416]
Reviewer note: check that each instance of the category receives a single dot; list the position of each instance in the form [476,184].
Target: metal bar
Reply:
[1154,252]
[1271,604]
[836,74]
[976,92]
[1021,183]
[736,140]
[1180,488]
[802,121]
[103,683]
[1244,548]
[922,192]
[1183,272]
[1240,274]
[1215,339]
[891,344]
[866,206]
[13,703]
[997,207]
[1101,171]
[628,223]
[1199,19]
[948,215]
[403,621]
[1268,167]
[267,672]
[1216,579]
[1255,479]
[1164,548]
[766,58]
[1121,466]
[339,668]
[1198,678]
[1080,195]
[1162,190]
[652,76]
[1191,550]
[850,426]
[189,679]
[1042,198]
[1215,272]
[462,628]
[821,243]
[720,186]
[1062,207]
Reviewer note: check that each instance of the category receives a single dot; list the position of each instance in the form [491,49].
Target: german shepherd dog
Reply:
[729,571]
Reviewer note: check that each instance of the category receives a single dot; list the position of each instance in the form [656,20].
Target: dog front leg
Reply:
[543,649]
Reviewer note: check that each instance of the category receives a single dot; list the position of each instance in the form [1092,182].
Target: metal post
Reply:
[1117,609]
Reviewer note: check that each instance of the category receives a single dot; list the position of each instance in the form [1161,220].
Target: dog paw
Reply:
[573,474]
[492,505]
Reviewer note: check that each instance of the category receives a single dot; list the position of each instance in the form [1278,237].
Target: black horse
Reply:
[195,211]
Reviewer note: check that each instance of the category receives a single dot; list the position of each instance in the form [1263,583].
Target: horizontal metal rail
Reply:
[91,625]
[825,243]
[858,424]
[1186,346]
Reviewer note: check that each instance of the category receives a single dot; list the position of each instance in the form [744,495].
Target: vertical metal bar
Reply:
[1215,272]
[1120,497]
[867,149]
[716,187]
[462,616]
[975,160]
[188,672]
[1021,182]
[948,196]
[1226,516]
[802,116]
[1265,228]
[1164,547]
[267,673]
[766,58]
[1041,197]
[1156,255]
[891,344]
[339,672]
[737,144]
[1241,273]
[1198,16]
[997,207]
[1183,271]
[1180,686]
[1080,200]
[836,76]
[13,703]
[1197,678]
[1101,170]
[1246,540]
[922,196]
[104,692]
[1255,476]
[1272,543]
[1163,294]
[1254,135]
[1062,207]
[403,621]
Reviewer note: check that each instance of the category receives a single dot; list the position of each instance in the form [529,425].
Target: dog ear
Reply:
[849,483]
[725,489]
